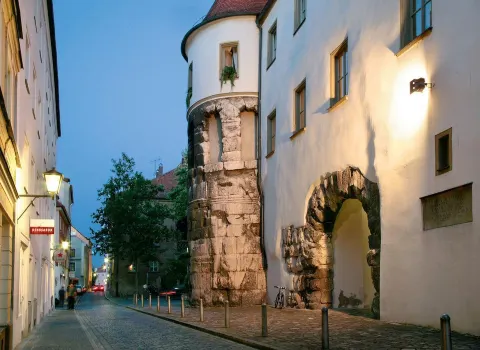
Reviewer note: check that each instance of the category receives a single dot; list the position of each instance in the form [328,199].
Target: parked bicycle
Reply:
[280,299]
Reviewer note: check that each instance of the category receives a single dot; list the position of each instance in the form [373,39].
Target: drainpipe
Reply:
[259,148]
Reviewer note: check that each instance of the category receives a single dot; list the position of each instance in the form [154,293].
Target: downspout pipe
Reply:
[259,147]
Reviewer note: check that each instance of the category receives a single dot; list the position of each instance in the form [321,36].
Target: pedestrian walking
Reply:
[71,294]
[61,296]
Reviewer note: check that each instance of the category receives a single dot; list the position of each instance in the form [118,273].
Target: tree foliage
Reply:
[179,194]
[130,217]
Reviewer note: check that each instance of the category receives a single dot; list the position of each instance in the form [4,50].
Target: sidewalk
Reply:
[290,328]
[60,327]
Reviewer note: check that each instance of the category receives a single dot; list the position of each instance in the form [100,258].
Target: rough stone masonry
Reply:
[224,205]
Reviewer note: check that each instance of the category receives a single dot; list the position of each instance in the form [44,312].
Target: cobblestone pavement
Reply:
[301,329]
[98,324]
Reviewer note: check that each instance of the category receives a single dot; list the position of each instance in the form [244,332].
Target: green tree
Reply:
[177,268]
[179,194]
[130,217]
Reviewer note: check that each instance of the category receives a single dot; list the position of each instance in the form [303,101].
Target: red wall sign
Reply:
[42,230]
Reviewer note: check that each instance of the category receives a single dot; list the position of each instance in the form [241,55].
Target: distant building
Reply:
[80,263]
[101,276]
[63,222]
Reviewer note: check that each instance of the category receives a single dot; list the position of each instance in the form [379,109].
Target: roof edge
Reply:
[210,20]
[265,12]
[53,43]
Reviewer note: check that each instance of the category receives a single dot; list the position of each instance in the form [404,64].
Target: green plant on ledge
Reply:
[228,74]
[189,96]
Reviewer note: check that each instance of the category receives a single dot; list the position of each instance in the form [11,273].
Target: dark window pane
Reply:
[417,24]
[443,152]
[428,15]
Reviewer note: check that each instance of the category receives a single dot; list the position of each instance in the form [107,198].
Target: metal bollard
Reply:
[150,300]
[325,342]
[227,315]
[264,320]
[446,332]
[158,303]
[135,299]
[182,309]
[142,300]
[201,310]
[169,305]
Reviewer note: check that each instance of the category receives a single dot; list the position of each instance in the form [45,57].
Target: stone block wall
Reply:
[224,209]
[308,250]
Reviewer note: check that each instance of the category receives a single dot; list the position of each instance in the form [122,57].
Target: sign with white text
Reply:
[42,226]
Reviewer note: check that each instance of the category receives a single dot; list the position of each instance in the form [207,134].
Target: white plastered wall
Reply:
[387,133]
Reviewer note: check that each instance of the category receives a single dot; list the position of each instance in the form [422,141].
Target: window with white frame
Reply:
[300,13]
[154,266]
[71,266]
[272,44]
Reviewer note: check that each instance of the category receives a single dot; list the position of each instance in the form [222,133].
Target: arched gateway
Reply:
[308,250]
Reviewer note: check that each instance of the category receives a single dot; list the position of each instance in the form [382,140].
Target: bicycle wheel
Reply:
[277,299]
[282,301]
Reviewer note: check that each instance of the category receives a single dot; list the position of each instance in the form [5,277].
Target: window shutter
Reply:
[405,23]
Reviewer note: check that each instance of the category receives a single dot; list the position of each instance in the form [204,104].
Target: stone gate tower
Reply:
[224,201]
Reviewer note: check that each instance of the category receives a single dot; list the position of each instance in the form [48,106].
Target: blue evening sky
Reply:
[123,83]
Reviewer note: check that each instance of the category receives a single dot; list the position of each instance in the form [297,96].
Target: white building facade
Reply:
[355,164]
[366,126]
[80,262]
[36,132]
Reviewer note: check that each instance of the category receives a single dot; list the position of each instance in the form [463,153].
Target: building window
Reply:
[154,266]
[272,44]
[443,152]
[190,85]
[27,58]
[71,266]
[340,72]
[271,132]
[300,13]
[72,253]
[300,104]
[229,62]
[417,19]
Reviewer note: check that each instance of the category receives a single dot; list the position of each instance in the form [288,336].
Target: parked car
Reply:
[79,289]
[98,288]
[175,292]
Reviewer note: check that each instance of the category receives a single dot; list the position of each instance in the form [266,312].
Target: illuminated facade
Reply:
[352,160]
[367,124]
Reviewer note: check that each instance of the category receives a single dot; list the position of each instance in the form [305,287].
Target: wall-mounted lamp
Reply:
[65,245]
[418,85]
[53,180]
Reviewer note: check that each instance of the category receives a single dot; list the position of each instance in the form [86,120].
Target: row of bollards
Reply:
[446,331]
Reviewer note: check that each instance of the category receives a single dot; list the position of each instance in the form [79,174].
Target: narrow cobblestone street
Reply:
[99,324]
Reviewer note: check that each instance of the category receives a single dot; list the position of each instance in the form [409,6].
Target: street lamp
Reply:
[65,245]
[106,260]
[53,180]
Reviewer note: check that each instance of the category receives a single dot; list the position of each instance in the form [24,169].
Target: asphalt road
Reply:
[97,323]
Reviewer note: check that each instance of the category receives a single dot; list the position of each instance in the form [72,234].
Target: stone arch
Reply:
[308,250]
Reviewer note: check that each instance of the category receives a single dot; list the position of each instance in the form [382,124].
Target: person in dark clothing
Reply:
[71,293]
[61,296]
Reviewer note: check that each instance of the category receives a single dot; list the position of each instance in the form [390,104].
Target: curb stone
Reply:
[243,341]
